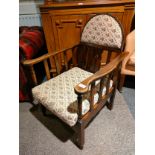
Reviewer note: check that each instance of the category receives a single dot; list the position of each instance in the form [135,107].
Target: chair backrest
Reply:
[101,33]
[103,30]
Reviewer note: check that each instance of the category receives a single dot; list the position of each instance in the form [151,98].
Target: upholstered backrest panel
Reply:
[103,30]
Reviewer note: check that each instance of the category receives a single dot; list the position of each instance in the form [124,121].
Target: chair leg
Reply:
[43,109]
[79,137]
[121,83]
[111,103]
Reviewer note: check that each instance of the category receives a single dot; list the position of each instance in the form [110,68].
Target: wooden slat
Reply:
[101,88]
[79,106]
[108,57]
[74,56]
[33,74]
[57,64]
[65,60]
[47,69]
[108,82]
[92,93]
[87,56]
[115,75]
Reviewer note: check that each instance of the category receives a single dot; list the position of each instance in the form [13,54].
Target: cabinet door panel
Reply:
[68,29]
[67,32]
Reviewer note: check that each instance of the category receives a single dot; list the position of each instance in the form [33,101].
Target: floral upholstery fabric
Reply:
[58,96]
[58,93]
[103,30]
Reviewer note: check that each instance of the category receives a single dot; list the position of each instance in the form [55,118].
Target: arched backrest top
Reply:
[103,30]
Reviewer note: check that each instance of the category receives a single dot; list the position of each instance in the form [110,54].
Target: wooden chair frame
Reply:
[109,71]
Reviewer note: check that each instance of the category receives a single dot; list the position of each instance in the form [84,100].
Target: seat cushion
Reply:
[57,95]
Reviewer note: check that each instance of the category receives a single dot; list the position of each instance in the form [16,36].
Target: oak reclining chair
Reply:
[76,95]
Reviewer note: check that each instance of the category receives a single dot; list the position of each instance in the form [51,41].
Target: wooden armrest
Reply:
[99,74]
[45,56]
[36,60]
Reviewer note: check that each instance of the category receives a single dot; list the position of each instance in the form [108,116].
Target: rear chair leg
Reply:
[121,83]
[43,109]
[111,103]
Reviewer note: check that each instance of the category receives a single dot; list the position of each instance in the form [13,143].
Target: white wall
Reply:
[29,14]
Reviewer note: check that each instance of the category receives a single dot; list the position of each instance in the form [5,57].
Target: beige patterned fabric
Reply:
[103,30]
[58,96]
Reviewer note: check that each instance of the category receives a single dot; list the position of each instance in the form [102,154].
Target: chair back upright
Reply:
[101,33]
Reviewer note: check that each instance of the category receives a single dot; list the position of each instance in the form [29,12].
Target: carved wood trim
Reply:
[78,22]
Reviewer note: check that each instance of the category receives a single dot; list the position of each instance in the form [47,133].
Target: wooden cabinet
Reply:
[63,21]
[67,29]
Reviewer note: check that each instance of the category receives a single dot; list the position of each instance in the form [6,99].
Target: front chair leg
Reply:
[79,136]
